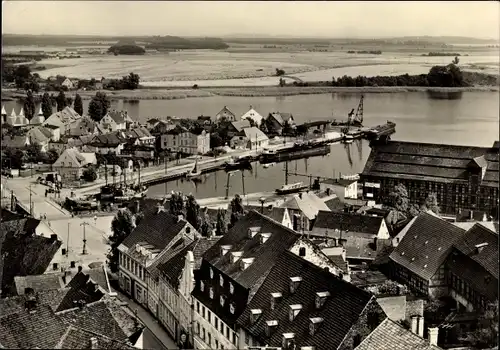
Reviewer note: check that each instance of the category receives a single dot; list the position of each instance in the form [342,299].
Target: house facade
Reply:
[185,141]
[230,274]
[70,165]
[253,115]
[343,188]
[150,240]
[113,121]
[466,178]
[277,121]
[250,138]
[225,115]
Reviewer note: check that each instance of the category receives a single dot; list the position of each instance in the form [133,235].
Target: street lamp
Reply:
[262,200]
[84,251]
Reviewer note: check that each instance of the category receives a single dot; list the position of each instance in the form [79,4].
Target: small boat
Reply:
[237,164]
[268,165]
[292,188]
[195,172]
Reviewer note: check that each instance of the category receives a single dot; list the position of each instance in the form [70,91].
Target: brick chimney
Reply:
[93,343]
[433,335]
[420,326]
[414,324]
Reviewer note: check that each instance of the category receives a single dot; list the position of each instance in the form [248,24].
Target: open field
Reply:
[225,68]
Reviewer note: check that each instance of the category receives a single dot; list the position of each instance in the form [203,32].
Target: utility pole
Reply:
[227,184]
[31,206]
[243,183]
[84,251]
[139,179]
[67,243]
[166,187]
[106,171]
[114,174]
[286,173]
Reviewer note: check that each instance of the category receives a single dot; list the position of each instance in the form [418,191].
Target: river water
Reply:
[469,119]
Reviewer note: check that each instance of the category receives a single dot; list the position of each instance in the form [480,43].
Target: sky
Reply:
[331,19]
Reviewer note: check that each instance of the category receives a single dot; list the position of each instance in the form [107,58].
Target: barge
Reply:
[381,131]
[292,188]
[286,155]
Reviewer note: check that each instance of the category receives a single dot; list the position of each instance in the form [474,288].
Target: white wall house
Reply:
[186,142]
[343,188]
[113,121]
[254,115]
[225,115]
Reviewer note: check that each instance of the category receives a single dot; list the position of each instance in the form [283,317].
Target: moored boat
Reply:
[295,154]
[292,188]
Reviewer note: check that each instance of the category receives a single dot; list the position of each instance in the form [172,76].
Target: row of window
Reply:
[463,288]
[212,319]
[132,266]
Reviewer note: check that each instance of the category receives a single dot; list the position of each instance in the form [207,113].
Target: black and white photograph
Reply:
[254,175]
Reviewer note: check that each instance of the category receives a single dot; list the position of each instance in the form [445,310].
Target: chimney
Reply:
[414,324]
[471,215]
[30,301]
[314,324]
[53,237]
[93,343]
[321,299]
[300,195]
[245,263]
[254,315]
[224,249]
[433,336]
[294,283]
[294,311]
[137,207]
[480,247]
[159,208]
[420,326]
[80,269]
[275,299]
[235,256]
[252,231]
[264,237]
[375,239]
[180,217]
[271,327]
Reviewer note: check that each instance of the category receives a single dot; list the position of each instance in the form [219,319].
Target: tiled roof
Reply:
[254,134]
[339,182]
[108,139]
[45,131]
[339,313]
[426,245]
[265,255]
[172,269]
[430,162]
[96,276]
[240,124]
[38,282]
[275,213]
[307,202]
[335,204]
[76,338]
[117,116]
[41,329]
[201,246]
[368,278]
[339,261]
[488,257]
[157,229]
[351,222]
[23,254]
[8,215]
[390,335]
[490,225]
[225,110]
[14,141]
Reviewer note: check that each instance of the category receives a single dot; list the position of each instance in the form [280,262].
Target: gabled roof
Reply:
[240,124]
[157,229]
[479,162]
[430,162]
[390,335]
[117,116]
[307,202]
[352,222]
[275,213]
[426,245]
[45,131]
[23,253]
[253,114]
[488,257]
[226,110]
[339,314]
[254,134]
[38,282]
[111,139]
[4,112]
[281,117]
[36,135]
[75,155]
[281,239]
[77,338]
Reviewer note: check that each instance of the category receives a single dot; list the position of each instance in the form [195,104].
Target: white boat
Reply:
[268,165]
[292,188]
[195,172]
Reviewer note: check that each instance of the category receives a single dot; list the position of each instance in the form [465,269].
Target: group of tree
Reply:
[126,49]
[128,82]
[89,174]
[121,226]
[402,209]
[29,105]
[21,76]
[99,106]
[279,72]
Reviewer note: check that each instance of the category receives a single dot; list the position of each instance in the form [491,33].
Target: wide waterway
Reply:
[471,119]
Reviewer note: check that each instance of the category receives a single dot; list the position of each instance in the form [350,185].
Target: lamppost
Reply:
[84,251]
[262,200]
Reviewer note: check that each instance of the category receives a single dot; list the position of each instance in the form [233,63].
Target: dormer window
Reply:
[314,324]
[222,300]
[221,281]
[294,283]
[231,288]
[254,315]
[288,341]
[235,256]
[294,311]
[264,237]
[202,286]
[211,293]
[275,299]
[211,273]
[231,308]
[245,263]
[321,299]
[271,327]
[224,249]
[252,231]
